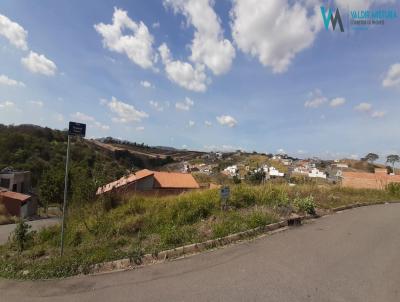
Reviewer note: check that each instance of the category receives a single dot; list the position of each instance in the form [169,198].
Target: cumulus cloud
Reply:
[82,117]
[125,113]
[185,105]
[183,73]
[5,80]
[139,128]
[7,104]
[146,84]
[336,102]
[392,77]
[363,107]
[315,99]
[13,32]
[191,124]
[208,123]
[138,46]
[39,64]
[378,114]
[226,120]
[156,105]
[209,47]
[275,31]
[36,103]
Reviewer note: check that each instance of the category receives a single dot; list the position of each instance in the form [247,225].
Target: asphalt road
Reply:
[7,229]
[349,256]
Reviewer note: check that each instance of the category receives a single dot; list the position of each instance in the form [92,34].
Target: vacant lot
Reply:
[128,226]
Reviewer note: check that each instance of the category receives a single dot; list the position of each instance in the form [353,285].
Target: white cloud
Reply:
[191,124]
[378,114]
[81,117]
[226,120]
[36,103]
[39,64]
[156,105]
[126,113]
[337,102]
[7,104]
[183,73]
[138,46]
[208,123]
[5,80]
[185,105]
[208,45]
[139,128]
[363,107]
[316,99]
[274,31]
[392,78]
[156,25]
[13,32]
[146,84]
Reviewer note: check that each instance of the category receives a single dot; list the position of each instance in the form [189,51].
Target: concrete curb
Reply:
[194,248]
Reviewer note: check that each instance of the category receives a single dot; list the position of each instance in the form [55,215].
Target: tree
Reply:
[392,159]
[21,235]
[371,157]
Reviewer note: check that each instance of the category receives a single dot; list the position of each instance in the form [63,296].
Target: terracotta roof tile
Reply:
[175,180]
[14,195]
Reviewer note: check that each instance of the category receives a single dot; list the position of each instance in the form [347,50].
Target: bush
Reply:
[21,236]
[394,189]
[305,204]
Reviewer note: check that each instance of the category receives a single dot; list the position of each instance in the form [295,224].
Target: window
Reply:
[5,183]
[14,188]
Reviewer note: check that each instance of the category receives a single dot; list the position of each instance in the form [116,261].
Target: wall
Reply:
[12,206]
[360,182]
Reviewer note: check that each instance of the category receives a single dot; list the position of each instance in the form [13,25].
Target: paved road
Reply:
[7,229]
[350,256]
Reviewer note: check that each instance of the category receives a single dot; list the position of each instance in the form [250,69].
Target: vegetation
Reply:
[114,227]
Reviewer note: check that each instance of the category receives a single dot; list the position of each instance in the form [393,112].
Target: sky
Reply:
[256,75]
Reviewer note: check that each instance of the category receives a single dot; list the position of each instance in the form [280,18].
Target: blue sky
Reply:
[199,74]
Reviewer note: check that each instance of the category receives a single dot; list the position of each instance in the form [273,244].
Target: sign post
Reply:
[75,129]
[224,193]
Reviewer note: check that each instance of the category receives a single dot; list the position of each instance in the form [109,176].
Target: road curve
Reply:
[349,256]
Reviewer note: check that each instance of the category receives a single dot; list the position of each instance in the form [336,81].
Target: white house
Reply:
[316,173]
[231,170]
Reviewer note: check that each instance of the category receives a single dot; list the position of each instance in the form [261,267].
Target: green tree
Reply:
[21,235]
[371,157]
[393,159]
[51,187]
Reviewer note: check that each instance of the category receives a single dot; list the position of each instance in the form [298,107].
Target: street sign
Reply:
[77,129]
[225,192]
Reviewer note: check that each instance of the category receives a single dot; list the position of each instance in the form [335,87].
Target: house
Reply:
[364,180]
[231,170]
[314,173]
[152,183]
[18,204]
[15,181]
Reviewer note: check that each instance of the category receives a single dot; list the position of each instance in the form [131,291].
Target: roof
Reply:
[125,180]
[162,180]
[175,180]
[14,195]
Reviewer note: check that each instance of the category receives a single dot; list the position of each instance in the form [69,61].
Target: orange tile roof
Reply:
[163,180]
[14,195]
[124,181]
[175,180]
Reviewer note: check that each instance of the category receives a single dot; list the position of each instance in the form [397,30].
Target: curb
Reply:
[194,248]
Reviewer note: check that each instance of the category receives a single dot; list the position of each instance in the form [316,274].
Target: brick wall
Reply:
[368,182]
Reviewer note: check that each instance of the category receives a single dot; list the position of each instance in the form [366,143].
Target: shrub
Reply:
[305,204]
[21,236]
[394,189]
[243,196]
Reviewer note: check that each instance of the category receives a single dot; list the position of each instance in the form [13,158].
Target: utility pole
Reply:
[65,199]
[75,129]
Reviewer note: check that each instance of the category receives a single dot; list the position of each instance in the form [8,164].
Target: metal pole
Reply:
[65,200]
